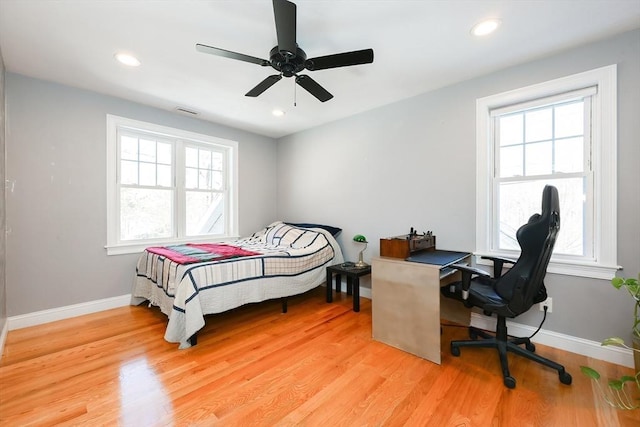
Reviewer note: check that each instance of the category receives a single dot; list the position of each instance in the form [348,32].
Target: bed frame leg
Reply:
[193,340]
[284,305]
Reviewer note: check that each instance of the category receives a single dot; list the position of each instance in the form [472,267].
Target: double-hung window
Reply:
[167,186]
[561,133]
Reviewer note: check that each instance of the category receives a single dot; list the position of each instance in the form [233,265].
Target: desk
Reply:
[407,305]
[353,281]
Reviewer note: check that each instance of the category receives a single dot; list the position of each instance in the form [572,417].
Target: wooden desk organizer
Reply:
[404,246]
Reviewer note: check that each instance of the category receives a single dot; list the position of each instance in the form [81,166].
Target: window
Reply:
[167,186]
[562,133]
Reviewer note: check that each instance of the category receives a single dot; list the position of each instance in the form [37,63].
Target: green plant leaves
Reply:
[590,372]
[613,341]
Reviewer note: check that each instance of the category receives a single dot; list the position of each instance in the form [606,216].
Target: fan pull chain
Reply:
[295,93]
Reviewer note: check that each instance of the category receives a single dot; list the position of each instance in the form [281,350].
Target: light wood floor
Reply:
[314,366]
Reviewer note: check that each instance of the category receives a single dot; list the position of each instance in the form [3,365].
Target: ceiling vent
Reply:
[186,111]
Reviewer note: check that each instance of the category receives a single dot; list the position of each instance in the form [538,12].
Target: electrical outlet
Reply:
[549,303]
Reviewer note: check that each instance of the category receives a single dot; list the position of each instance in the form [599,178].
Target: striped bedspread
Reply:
[286,261]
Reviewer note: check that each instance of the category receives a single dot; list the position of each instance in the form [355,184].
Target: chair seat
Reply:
[481,294]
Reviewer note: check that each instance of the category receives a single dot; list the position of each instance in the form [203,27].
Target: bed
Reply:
[190,281]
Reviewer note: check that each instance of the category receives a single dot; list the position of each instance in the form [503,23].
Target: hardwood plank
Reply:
[315,366]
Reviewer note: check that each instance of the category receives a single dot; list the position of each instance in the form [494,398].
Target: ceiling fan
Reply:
[289,59]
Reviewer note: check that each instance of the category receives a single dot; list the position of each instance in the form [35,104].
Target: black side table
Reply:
[353,281]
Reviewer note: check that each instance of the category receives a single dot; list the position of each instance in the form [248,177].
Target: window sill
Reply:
[138,247]
[567,268]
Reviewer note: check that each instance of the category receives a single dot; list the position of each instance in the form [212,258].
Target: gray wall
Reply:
[56,153]
[412,163]
[3,214]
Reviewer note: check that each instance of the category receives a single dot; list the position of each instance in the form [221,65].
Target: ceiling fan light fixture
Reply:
[127,59]
[485,27]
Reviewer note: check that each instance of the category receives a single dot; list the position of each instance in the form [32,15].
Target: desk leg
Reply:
[338,283]
[350,284]
[356,293]
[329,286]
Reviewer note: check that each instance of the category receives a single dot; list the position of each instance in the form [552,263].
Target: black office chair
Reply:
[513,293]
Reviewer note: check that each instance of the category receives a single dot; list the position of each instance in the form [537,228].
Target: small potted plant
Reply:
[615,393]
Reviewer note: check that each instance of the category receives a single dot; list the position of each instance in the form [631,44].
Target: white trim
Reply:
[593,349]
[3,336]
[567,268]
[365,292]
[66,312]
[604,143]
[178,137]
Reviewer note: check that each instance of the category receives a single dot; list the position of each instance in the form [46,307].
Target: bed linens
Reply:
[291,261]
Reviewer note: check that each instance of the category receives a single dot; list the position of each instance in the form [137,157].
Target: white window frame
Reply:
[114,245]
[604,153]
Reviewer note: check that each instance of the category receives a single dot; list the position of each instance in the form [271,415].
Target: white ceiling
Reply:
[419,46]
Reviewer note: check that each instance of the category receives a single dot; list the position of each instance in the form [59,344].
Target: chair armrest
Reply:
[498,263]
[467,275]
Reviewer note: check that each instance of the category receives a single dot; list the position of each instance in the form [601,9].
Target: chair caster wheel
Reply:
[455,351]
[565,378]
[530,347]
[510,382]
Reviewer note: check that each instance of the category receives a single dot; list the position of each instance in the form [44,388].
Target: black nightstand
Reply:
[353,281]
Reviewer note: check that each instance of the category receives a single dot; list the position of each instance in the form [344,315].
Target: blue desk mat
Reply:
[438,257]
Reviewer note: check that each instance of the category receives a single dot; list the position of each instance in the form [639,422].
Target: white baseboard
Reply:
[3,336]
[67,312]
[365,292]
[613,354]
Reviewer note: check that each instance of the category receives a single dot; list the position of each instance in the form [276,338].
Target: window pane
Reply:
[519,200]
[164,153]
[511,130]
[538,125]
[217,180]
[128,172]
[216,161]
[147,174]
[511,161]
[569,155]
[147,150]
[538,158]
[145,213]
[191,157]
[204,180]
[569,120]
[191,178]
[205,159]
[205,213]
[129,148]
[164,176]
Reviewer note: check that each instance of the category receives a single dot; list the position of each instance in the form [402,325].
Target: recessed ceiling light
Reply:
[485,27]
[278,113]
[126,59]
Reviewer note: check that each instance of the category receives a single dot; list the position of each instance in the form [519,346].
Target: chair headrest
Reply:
[551,204]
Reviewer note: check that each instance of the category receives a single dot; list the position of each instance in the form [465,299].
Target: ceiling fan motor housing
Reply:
[288,59]
[287,64]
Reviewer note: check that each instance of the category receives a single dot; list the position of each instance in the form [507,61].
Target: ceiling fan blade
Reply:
[264,85]
[345,59]
[285,15]
[228,54]
[313,88]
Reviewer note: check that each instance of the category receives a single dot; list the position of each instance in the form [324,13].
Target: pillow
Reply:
[333,230]
[282,234]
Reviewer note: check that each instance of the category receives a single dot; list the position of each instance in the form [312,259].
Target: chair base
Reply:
[503,344]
